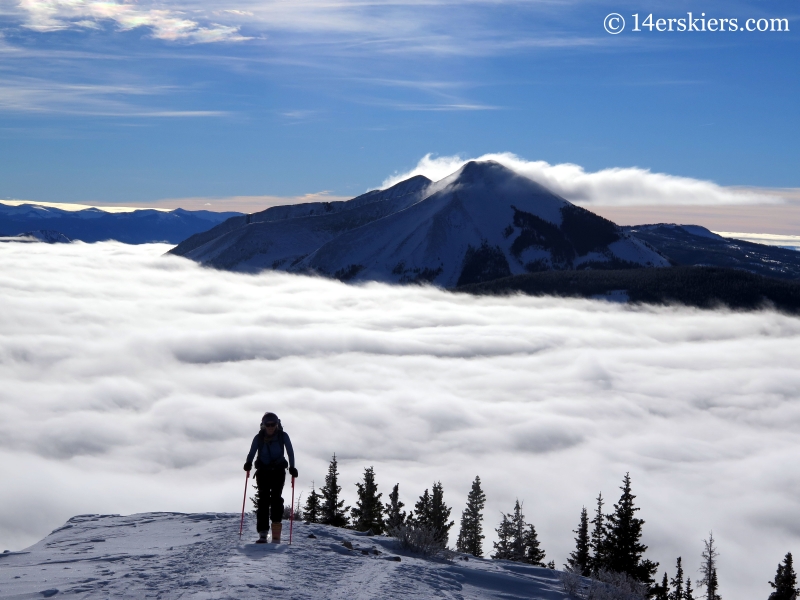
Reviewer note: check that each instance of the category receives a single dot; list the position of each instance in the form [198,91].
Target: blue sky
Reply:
[246,97]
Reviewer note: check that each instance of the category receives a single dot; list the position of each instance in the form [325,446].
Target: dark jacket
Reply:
[270,451]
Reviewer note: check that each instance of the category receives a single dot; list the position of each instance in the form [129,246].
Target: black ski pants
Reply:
[270,502]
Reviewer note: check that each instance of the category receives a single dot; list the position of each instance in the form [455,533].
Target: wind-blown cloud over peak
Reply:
[628,186]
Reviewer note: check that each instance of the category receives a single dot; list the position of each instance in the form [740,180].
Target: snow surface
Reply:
[175,555]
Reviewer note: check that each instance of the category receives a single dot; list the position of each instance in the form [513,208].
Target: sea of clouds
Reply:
[135,382]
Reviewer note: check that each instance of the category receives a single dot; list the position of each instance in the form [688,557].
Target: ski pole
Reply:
[241,525]
[291,515]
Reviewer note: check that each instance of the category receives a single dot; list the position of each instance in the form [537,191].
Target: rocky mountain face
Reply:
[481,223]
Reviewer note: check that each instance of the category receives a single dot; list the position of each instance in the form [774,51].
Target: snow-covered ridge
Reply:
[174,555]
[72,207]
[90,224]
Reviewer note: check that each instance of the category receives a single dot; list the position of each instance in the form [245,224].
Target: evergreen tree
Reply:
[517,540]
[333,510]
[709,568]
[395,515]
[256,497]
[470,537]
[578,561]
[312,512]
[534,555]
[598,541]
[423,512]
[785,583]
[505,534]
[689,593]
[677,583]
[623,533]
[661,592]
[440,513]
[368,511]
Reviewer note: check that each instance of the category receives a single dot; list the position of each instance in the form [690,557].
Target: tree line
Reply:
[608,543]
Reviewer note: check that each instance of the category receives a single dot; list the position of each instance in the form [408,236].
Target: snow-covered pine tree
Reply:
[677,592]
[470,537]
[505,535]
[709,568]
[624,550]
[598,543]
[312,513]
[395,515]
[368,511]
[440,513]
[785,583]
[333,510]
[578,561]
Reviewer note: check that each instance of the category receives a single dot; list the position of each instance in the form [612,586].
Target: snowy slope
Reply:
[480,223]
[281,236]
[172,555]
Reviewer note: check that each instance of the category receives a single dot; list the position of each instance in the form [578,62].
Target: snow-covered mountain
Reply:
[172,555]
[48,236]
[482,222]
[95,225]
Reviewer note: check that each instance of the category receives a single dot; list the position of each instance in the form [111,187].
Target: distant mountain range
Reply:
[96,225]
[481,223]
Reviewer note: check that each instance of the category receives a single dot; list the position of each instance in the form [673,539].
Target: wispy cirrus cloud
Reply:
[428,27]
[37,95]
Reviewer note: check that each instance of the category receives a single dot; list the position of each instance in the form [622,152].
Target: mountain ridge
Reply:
[95,225]
[481,222]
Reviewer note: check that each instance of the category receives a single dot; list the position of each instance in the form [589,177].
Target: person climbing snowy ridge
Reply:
[270,476]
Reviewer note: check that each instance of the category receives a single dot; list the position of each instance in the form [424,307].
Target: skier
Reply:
[270,474]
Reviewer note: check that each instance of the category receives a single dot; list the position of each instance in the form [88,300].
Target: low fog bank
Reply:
[135,382]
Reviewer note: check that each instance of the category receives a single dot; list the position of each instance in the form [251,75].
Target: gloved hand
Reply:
[293,472]
[248,466]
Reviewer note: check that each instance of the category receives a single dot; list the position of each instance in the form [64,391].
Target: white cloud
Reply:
[134,382]
[165,23]
[620,186]
[423,27]
[40,95]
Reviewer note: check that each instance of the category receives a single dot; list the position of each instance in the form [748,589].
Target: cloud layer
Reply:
[619,186]
[134,382]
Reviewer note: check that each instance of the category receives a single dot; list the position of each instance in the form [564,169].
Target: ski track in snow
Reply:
[174,555]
